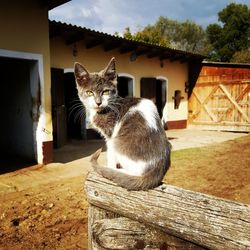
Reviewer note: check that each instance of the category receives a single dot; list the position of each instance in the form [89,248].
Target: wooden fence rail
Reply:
[167,217]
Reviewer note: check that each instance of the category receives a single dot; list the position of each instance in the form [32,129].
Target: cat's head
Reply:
[96,90]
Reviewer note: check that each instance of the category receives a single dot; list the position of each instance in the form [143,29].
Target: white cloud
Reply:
[86,13]
[115,15]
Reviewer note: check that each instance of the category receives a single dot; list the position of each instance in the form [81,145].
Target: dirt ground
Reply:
[43,207]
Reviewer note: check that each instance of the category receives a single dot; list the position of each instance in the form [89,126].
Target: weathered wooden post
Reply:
[164,218]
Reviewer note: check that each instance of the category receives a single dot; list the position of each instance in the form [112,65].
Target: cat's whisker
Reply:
[77,110]
[74,110]
[79,116]
[75,102]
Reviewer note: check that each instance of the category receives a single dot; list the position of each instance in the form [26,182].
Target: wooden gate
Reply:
[221,99]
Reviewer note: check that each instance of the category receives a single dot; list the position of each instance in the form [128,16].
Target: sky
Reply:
[110,16]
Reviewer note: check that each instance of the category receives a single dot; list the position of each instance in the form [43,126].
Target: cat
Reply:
[138,151]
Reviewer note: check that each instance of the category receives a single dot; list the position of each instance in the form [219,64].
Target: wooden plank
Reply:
[219,109]
[221,126]
[215,83]
[243,93]
[223,88]
[204,220]
[96,214]
[211,115]
[123,233]
[224,123]
[238,99]
[203,105]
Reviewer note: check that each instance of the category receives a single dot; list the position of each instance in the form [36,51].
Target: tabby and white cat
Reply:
[138,151]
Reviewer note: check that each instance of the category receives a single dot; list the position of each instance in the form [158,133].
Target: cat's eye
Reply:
[106,92]
[89,93]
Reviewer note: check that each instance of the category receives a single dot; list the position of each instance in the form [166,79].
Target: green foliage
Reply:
[227,41]
[127,34]
[186,35]
[149,34]
[190,37]
[233,35]
[241,57]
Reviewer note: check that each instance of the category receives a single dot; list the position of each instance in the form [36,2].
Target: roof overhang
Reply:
[51,4]
[72,34]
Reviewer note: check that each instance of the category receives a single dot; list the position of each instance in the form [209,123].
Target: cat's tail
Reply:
[149,180]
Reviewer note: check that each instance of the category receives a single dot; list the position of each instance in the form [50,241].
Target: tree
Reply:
[149,34]
[241,57]
[233,35]
[190,37]
[186,35]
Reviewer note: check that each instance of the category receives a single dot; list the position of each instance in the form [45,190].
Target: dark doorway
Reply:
[17,136]
[125,86]
[155,90]
[74,108]
[161,90]
[58,108]
[68,112]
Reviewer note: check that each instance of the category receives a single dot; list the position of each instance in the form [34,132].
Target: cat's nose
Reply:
[98,103]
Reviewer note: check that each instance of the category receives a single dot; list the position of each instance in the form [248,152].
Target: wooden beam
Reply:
[226,126]
[153,54]
[211,115]
[226,82]
[91,43]
[203,104]
[224,89]
[184,59]
[127,48]
[141,51]
[165,56]
[243,93]
[238,99]
[73,38]
[205,220]
[177,57]
[111,231]
[110,45]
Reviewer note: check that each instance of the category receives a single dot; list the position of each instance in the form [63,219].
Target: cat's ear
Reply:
[81,74]
[110,70]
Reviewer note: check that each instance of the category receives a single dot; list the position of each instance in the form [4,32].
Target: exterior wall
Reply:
[25,31]
[95,59]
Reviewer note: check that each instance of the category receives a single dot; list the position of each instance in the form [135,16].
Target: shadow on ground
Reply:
[80,149]
[77,149]
[10,163]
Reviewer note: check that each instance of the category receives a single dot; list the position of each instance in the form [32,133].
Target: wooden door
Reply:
[148,88]
[223,106]
[155,90]
[58,108]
